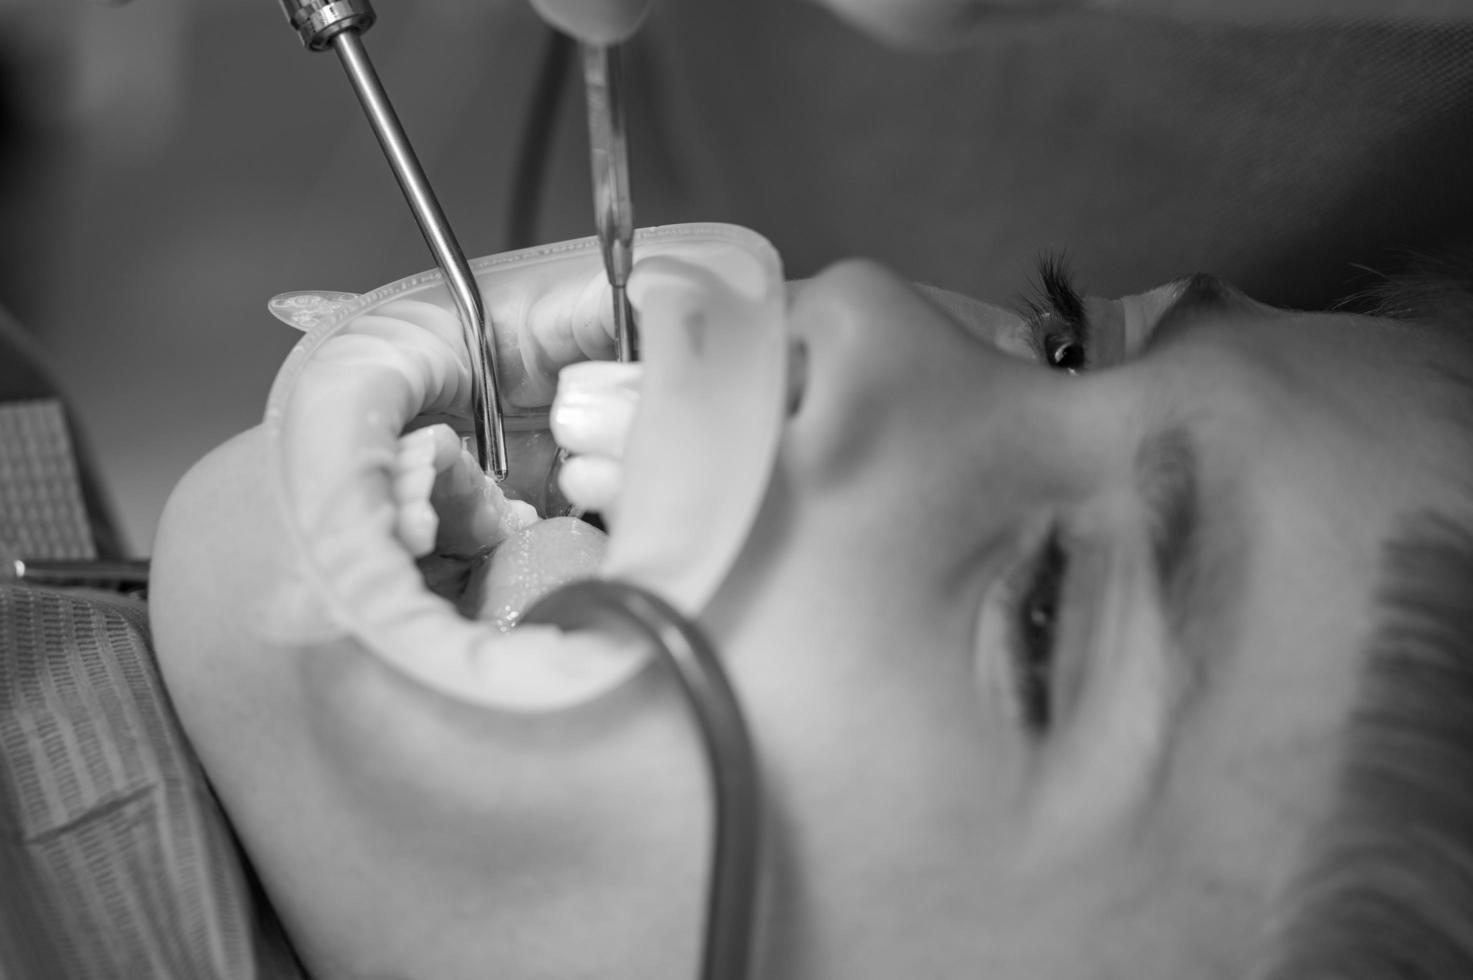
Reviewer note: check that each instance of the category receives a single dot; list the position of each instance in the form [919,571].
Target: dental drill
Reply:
[340,24]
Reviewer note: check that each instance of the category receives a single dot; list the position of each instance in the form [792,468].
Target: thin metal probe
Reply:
[338,24]
[117,572]
[486,409]
[613,208]
[731,894]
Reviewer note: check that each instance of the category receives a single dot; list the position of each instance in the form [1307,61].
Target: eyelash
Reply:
[1032,615]
[1054,308]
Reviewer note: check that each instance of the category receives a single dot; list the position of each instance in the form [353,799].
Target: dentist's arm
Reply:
[929,22]
[1250,12]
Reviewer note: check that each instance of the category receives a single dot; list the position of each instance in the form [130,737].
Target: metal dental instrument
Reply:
[339,24]
[612,206]
[122,573]
[731,892]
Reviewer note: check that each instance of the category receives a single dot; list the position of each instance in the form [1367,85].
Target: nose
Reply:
[900,400]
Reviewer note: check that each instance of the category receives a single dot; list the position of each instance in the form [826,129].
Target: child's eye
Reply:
[1056,316]
[1064,353]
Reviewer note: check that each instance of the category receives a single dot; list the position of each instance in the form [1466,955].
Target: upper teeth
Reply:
[591,417]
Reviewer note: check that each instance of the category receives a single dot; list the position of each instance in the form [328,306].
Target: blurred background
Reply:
[170,165]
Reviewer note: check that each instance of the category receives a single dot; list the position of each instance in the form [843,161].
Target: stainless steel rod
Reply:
[486,406]
[613,207]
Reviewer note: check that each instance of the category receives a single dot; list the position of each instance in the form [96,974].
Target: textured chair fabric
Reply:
[42,510]
[115,859]
[52,501]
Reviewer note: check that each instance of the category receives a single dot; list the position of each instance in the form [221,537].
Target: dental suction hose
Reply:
[339,24]
[731,758]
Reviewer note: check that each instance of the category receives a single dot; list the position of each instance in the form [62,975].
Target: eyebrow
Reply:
[1197,547]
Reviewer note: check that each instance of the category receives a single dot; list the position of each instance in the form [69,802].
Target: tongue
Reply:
[530,564]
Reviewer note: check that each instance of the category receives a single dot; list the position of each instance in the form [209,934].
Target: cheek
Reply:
[880,761]
[915,446]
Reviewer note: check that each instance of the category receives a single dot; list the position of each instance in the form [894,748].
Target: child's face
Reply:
[1125,782]
[1044,671]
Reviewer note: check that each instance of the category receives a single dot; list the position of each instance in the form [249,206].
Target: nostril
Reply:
[797,376]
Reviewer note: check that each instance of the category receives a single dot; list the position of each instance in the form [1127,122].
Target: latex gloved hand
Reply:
[594,21]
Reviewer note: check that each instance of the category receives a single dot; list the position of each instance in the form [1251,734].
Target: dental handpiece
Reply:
[339,24]
[613,207]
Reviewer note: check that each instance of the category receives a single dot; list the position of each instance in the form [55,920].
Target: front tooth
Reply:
[591,482]
[595,406]
[591,418]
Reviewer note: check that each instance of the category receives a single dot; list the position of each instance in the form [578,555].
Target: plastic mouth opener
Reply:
[340,24]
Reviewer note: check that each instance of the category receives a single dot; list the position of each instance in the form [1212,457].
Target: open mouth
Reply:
[381,503]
